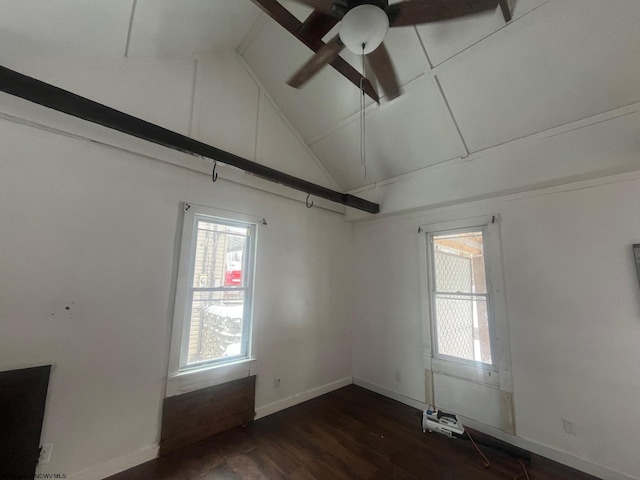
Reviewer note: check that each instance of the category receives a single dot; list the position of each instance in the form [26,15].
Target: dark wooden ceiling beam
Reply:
[47,95]
[295,27]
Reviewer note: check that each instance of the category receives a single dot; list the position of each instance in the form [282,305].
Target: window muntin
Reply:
[462,325]
[217,314]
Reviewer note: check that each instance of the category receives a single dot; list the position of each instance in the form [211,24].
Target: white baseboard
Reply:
[546,451]
[116,465]
[274,407]
[390,394]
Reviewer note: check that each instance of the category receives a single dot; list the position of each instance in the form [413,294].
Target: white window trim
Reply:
[183,381]
[498,374]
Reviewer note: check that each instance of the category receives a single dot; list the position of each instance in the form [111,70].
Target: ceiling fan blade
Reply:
[317,25]
[385,73]
[323,6]
[291,24]
[414,12]
[324,55]
[506,8]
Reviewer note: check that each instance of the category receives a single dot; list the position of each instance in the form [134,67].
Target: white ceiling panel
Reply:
[443,40]
[567,60]
[410,133]
[42,29]
[166,27]
[279,148]
[226,117]
[156,90]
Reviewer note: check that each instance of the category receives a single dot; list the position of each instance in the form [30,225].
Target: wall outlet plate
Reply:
[45,453]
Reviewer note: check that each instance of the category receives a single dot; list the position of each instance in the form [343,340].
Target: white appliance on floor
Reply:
[434,420]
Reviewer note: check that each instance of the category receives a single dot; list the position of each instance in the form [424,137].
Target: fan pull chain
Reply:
[363,162]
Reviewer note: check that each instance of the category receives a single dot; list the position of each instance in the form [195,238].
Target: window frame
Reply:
[499,376]
[433,293]
[183,377]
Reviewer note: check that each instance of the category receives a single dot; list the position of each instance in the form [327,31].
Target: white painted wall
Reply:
[95,228]
[76,215]
[573,306]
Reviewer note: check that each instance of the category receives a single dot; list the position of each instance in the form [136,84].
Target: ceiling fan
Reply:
[363,25]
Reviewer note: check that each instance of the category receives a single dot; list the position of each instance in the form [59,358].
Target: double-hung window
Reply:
[214,292]
[461,309]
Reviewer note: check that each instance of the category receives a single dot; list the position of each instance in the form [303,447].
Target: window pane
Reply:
[219,256]
[459,263]
[216,325]
[462,327]
[462,321]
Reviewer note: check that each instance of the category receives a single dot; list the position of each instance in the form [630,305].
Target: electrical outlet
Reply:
[569,426]
[276,382]
[398,376]
[45,453]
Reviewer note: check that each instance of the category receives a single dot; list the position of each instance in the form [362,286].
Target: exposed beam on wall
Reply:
[47,95]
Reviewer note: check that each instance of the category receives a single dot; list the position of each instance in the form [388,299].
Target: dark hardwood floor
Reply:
[351,433]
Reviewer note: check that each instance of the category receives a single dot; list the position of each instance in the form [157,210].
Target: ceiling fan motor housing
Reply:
[364,27]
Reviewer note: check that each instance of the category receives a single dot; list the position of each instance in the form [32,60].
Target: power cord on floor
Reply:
[524,471]
[487,464]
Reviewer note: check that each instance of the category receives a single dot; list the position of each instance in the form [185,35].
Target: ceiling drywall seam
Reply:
[512,145]
[289,125]
[130,29]
[567,126]
[453,118]
[423,47]
[468,47]
[507,197]
[444,97]
[253,32]
[368,110]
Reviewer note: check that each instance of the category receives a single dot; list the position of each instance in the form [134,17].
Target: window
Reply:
[467,357]
[459,298]
[213,311]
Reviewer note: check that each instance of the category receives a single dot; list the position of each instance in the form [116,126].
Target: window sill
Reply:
[482,374]
[197,379]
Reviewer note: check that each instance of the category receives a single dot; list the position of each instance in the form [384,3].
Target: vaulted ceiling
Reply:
[469,84]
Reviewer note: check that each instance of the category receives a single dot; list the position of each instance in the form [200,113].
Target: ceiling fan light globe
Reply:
[364,25]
